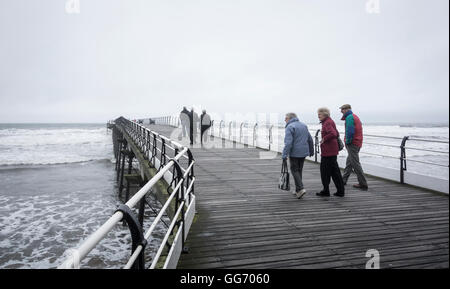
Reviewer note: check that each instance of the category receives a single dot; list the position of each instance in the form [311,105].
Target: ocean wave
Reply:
[38,164]
[59,145]
[424,125]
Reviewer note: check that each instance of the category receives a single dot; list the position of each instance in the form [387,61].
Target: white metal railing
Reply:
[182,192]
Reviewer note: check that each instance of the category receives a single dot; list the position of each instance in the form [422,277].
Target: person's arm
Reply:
[311,145]
[349,129]
[288,139]
[329,132]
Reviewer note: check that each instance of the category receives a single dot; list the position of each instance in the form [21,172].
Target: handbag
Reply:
[283,183]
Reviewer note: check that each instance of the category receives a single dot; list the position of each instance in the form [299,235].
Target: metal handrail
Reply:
[428,140]
[402,146]
[141,136]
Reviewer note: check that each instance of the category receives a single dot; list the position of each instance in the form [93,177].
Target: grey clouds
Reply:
[149,58]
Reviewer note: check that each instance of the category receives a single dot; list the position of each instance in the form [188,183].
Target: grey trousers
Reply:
[353,164]
[296,165]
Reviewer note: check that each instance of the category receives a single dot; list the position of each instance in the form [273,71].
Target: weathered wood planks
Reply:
[244,221]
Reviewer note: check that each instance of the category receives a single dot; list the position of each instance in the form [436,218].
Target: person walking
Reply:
[329,149]
[353,143]
[184,119]
[205,121]
[194,126]
[298,144]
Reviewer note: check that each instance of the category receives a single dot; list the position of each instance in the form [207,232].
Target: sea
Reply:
[58,185]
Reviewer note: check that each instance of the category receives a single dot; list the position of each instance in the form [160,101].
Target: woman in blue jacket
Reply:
[298,144]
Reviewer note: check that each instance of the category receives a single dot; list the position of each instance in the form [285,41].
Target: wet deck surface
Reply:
[244,221]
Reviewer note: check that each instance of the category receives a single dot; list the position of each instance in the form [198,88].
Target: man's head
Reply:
[344,108]
[204,111]
[289,116]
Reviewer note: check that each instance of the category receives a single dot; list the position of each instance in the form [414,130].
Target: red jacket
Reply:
[329,146]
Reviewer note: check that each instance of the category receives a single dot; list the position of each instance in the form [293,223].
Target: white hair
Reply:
[323,110]
[291,115]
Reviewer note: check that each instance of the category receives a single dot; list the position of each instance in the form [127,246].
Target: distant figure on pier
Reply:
[205,121]
[329,149]
[353,143]
[184,119]
[194,126]
[298,144]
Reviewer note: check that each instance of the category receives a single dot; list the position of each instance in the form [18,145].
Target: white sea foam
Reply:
[26,146]
[47,209]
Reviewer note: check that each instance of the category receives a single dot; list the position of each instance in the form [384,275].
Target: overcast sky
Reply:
[149,58]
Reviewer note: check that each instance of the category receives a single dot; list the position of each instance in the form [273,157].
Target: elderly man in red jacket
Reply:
[353,143]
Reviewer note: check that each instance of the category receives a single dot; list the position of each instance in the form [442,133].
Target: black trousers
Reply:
[296,165]
[329,169]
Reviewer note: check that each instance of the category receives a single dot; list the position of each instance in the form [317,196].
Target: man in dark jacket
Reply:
[205,124]
[185,122]
[194,125]
[353,143]
[298,144]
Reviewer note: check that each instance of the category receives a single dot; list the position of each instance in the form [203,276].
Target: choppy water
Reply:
[57,186]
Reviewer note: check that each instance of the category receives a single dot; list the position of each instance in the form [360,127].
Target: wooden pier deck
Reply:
[244,221]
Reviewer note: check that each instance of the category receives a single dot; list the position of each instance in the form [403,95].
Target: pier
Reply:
[225,210]
[245,221]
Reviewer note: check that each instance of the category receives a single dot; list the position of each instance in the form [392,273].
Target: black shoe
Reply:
[323,194]
[338,194]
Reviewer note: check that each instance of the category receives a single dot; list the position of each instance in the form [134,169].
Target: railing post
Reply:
[154,151]
[191,174]
[147,154]
[270,136]
[163,154]
[220,129]
[403,159]
[316,145]
[240,132]
[211,131]
[254,134]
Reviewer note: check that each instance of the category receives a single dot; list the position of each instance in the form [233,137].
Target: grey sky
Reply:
[148,58]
